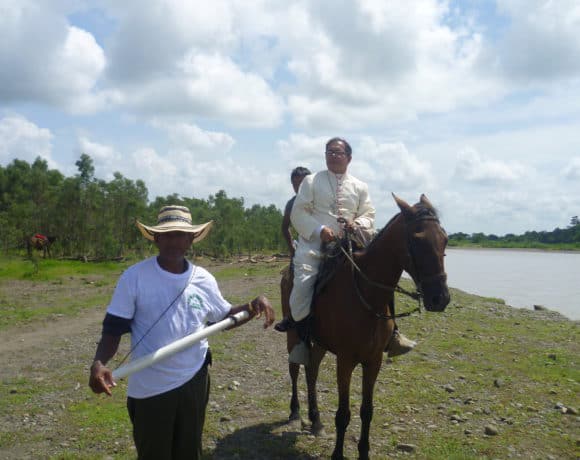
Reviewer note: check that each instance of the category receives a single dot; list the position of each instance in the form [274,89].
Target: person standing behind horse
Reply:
[160,300]
[322,200]
[296,177]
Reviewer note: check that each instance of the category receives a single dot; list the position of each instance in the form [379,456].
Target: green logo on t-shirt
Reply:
[195,301]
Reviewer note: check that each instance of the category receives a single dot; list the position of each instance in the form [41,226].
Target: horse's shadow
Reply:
[263,441]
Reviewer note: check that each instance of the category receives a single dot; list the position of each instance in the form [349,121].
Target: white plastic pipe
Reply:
[177,346]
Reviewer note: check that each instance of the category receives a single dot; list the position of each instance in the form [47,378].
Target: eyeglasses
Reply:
[335,153]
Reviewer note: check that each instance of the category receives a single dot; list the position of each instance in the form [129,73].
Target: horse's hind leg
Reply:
[316,355]
[370,373]
[294,370]
[342,417]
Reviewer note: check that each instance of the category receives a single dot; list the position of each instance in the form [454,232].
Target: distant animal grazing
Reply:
[41,243]
[353,313]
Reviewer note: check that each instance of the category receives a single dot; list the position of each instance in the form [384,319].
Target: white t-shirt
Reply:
[143,292]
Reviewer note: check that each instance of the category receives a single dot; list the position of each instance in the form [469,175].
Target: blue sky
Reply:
[474,103]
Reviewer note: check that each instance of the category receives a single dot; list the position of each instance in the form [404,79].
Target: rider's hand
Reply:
[349,225]
[326,234]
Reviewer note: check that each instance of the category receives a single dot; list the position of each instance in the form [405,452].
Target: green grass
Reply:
[54,270]
[247,270]
[27,289]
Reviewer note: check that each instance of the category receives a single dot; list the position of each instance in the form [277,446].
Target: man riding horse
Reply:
[323,201]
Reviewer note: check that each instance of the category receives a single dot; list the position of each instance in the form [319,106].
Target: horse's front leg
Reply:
[316,355]
[294,370]
[342,418]
[370,372]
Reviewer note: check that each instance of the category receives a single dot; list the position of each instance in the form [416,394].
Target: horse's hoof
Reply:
[317,430]
[294,416]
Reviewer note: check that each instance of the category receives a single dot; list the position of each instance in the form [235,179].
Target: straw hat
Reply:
[175,218]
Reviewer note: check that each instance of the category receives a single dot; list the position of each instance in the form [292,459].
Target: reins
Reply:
[417,295]
[414,295]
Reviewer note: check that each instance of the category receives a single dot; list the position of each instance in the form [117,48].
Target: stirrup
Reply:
[285,324]
[399,345]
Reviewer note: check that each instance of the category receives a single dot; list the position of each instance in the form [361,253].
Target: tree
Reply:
[86,168]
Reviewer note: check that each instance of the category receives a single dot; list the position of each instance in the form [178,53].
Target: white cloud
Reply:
[178,172]
[198,163]
[137,54]
[190,137]
[379,62]
[44,59]
[157,173]
[211,87]
[392,167]
[23,140]
[96,151]
[471,167]
[195,69]
[303,150]
[542,41]
[572,170]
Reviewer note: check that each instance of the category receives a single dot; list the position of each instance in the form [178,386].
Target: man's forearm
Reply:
[107,348]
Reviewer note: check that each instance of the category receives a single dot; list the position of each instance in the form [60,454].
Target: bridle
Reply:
[424,214]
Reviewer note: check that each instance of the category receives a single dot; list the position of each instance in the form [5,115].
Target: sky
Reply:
[474,103]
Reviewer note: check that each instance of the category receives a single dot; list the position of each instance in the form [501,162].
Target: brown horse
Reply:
[353,316]
[40,243]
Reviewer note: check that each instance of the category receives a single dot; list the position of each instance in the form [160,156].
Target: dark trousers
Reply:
[169,426]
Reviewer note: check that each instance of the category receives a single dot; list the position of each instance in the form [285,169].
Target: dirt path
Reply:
[24,339]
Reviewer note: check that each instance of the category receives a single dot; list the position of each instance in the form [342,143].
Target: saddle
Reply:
[333,257]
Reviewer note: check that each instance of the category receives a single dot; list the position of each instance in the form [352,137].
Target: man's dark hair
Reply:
[299,171]
[340,139]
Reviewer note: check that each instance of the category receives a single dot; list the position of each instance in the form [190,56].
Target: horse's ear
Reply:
[403,205]
[425,201]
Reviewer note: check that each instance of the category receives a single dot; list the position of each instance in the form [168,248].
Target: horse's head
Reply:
[426,242]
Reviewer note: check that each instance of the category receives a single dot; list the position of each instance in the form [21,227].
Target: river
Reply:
[522,278]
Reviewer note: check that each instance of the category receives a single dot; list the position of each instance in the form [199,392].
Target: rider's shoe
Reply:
[399,345]
[299,354]
[285,324]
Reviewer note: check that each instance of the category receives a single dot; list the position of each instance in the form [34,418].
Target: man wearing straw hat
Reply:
[159,301]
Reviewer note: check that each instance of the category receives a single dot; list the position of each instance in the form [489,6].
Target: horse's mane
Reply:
[421,211]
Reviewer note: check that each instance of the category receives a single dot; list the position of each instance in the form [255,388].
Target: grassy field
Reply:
[486,381]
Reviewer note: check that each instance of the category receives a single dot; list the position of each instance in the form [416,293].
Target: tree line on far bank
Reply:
[559,238]
[95,219]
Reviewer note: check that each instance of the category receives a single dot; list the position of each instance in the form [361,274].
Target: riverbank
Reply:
[571,247]
[486,381]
